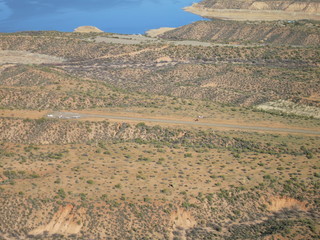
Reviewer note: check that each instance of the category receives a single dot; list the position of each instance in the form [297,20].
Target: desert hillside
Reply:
[86,179]
[310,6]
[215,73]
[251,10]
[87,29]
[277,33]
[109,136]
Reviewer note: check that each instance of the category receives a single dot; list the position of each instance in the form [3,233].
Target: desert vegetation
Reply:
[305,33]
[160,168]
[207,73]
[100,178]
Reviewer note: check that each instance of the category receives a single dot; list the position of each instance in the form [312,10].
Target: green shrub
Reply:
[61,193]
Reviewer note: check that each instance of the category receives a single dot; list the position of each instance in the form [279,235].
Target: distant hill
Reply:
[287,33]
[283,5]
[87,29]
[267,10]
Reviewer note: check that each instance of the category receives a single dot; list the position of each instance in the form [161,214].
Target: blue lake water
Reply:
[118,16]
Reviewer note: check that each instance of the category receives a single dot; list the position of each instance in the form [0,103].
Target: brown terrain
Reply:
[252,10]
[99,178]
[276,33]
[87,29]
[242,76]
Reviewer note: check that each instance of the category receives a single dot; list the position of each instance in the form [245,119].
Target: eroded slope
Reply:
[276,33]
[252,10]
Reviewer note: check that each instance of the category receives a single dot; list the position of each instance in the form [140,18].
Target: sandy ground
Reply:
[24,57]
[250,15]
[157,32]
[291,108]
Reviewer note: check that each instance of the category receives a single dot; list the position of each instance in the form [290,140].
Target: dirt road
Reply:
[70,115]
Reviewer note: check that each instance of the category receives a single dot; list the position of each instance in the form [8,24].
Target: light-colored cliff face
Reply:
[249,10]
